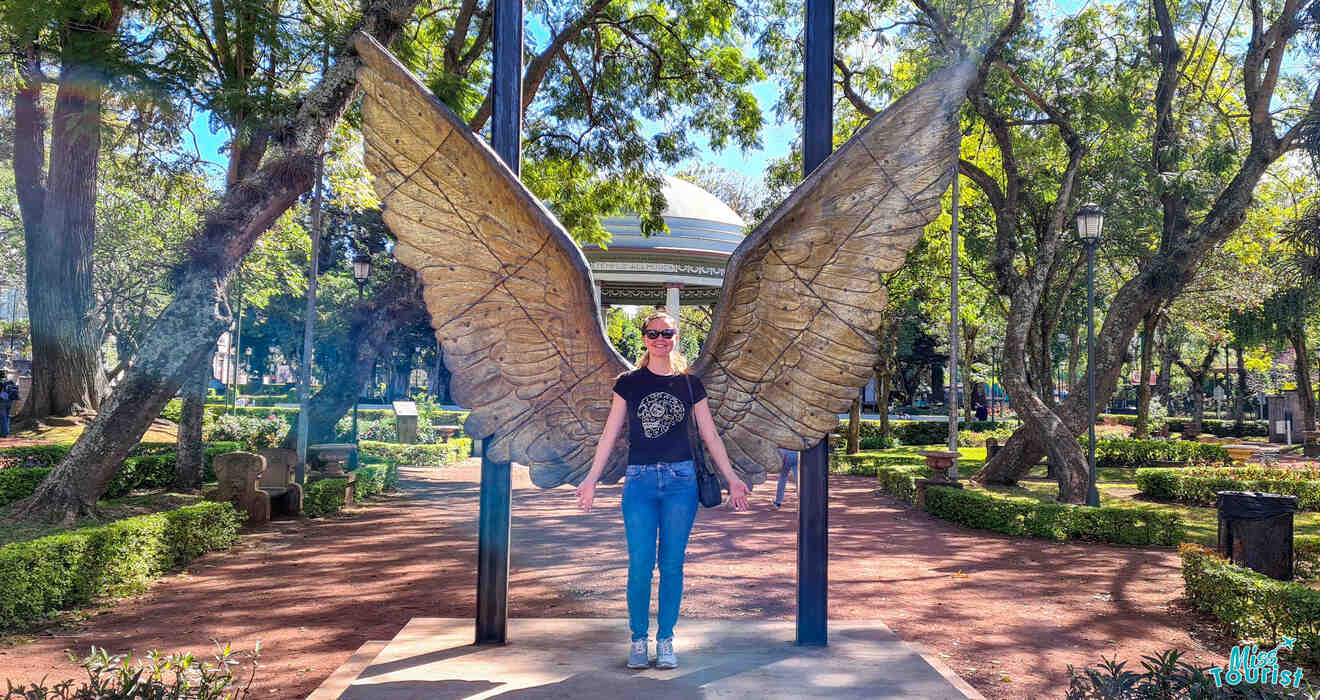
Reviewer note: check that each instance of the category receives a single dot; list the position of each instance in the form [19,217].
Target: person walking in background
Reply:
[655,403]
[788,465]
[8,395]
[981,413]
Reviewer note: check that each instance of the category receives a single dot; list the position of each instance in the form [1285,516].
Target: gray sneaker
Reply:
[664,654]
[638,656]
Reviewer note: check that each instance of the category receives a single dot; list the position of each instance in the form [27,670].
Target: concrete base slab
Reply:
[434,658]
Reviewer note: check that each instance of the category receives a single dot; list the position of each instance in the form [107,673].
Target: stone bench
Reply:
[255,485]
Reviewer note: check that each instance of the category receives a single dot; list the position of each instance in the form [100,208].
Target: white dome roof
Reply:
[687,201]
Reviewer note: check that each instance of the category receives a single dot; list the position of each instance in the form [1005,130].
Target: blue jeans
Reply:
[657,499]
[4,422]
[788,466]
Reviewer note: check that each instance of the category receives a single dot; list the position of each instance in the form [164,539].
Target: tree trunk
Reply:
[369,337]
[1198,376]
[1302,365]
[883,400]
[188,464]
[438,382]
[969,395]
[401,366]
[190,325]
[1240,396]
[59,220]
[855,426]
[1142,430]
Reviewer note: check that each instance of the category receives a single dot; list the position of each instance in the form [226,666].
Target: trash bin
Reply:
[991,448]
[1256,531]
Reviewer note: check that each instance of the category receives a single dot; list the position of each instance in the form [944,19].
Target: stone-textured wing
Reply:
[793,339]
[509,293]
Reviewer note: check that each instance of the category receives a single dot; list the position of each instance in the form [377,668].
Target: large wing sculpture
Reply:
[513,306]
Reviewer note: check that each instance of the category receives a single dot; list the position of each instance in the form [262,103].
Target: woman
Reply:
[657,400]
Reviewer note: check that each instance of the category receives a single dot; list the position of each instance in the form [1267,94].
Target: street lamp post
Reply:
[361,273]
[1090,220]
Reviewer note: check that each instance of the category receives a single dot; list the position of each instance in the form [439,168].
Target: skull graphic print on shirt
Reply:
[659,412]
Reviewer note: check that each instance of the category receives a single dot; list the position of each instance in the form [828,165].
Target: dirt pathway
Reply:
[1007,614]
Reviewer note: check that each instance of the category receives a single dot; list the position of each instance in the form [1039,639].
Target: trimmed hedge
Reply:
[438,455]
[324,497]
[1199,486]
[150,470]
[32,456]
[1214,426]
[918,432]
[17,484]
[1055,521]
[370,481]
[57,572]
[901,482]
[1251,605]
[1128,453]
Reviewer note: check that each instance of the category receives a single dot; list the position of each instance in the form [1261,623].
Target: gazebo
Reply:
[686,264]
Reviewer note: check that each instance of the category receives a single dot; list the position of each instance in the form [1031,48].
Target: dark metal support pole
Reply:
[493,548]
[813,545]
[506,110]
[818,85]
[1092,495]
[813,472]
[496,483]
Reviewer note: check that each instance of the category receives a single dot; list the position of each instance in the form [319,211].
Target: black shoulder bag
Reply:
[708,486]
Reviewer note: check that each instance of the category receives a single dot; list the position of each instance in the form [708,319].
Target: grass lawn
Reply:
[55,434]
[1117,488]
[133,504]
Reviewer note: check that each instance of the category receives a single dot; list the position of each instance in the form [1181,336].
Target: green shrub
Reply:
[900,482]
[253,432]
[445,453]
[370,481]
[53,573]
[878,443]
[1223,428]
[1200,486]
[17,484]
[324,497]
[1055,521]
[154,676]
[1306,557]
[1144,453]
[1252,606]
[914,432]
[1166,676]
[32,456]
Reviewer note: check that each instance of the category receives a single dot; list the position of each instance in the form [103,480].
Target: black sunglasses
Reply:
[666,333]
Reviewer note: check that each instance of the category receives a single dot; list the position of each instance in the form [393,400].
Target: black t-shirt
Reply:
[659,410]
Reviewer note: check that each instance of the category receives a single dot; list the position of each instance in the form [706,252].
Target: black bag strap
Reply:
[692,402]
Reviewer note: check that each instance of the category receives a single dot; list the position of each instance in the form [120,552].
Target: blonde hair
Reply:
[677,362]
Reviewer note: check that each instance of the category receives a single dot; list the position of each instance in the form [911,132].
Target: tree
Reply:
[187,330]
[1202,182]
[57,199]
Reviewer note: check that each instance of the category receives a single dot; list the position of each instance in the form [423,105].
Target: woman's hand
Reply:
[738,493]
[586,493]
